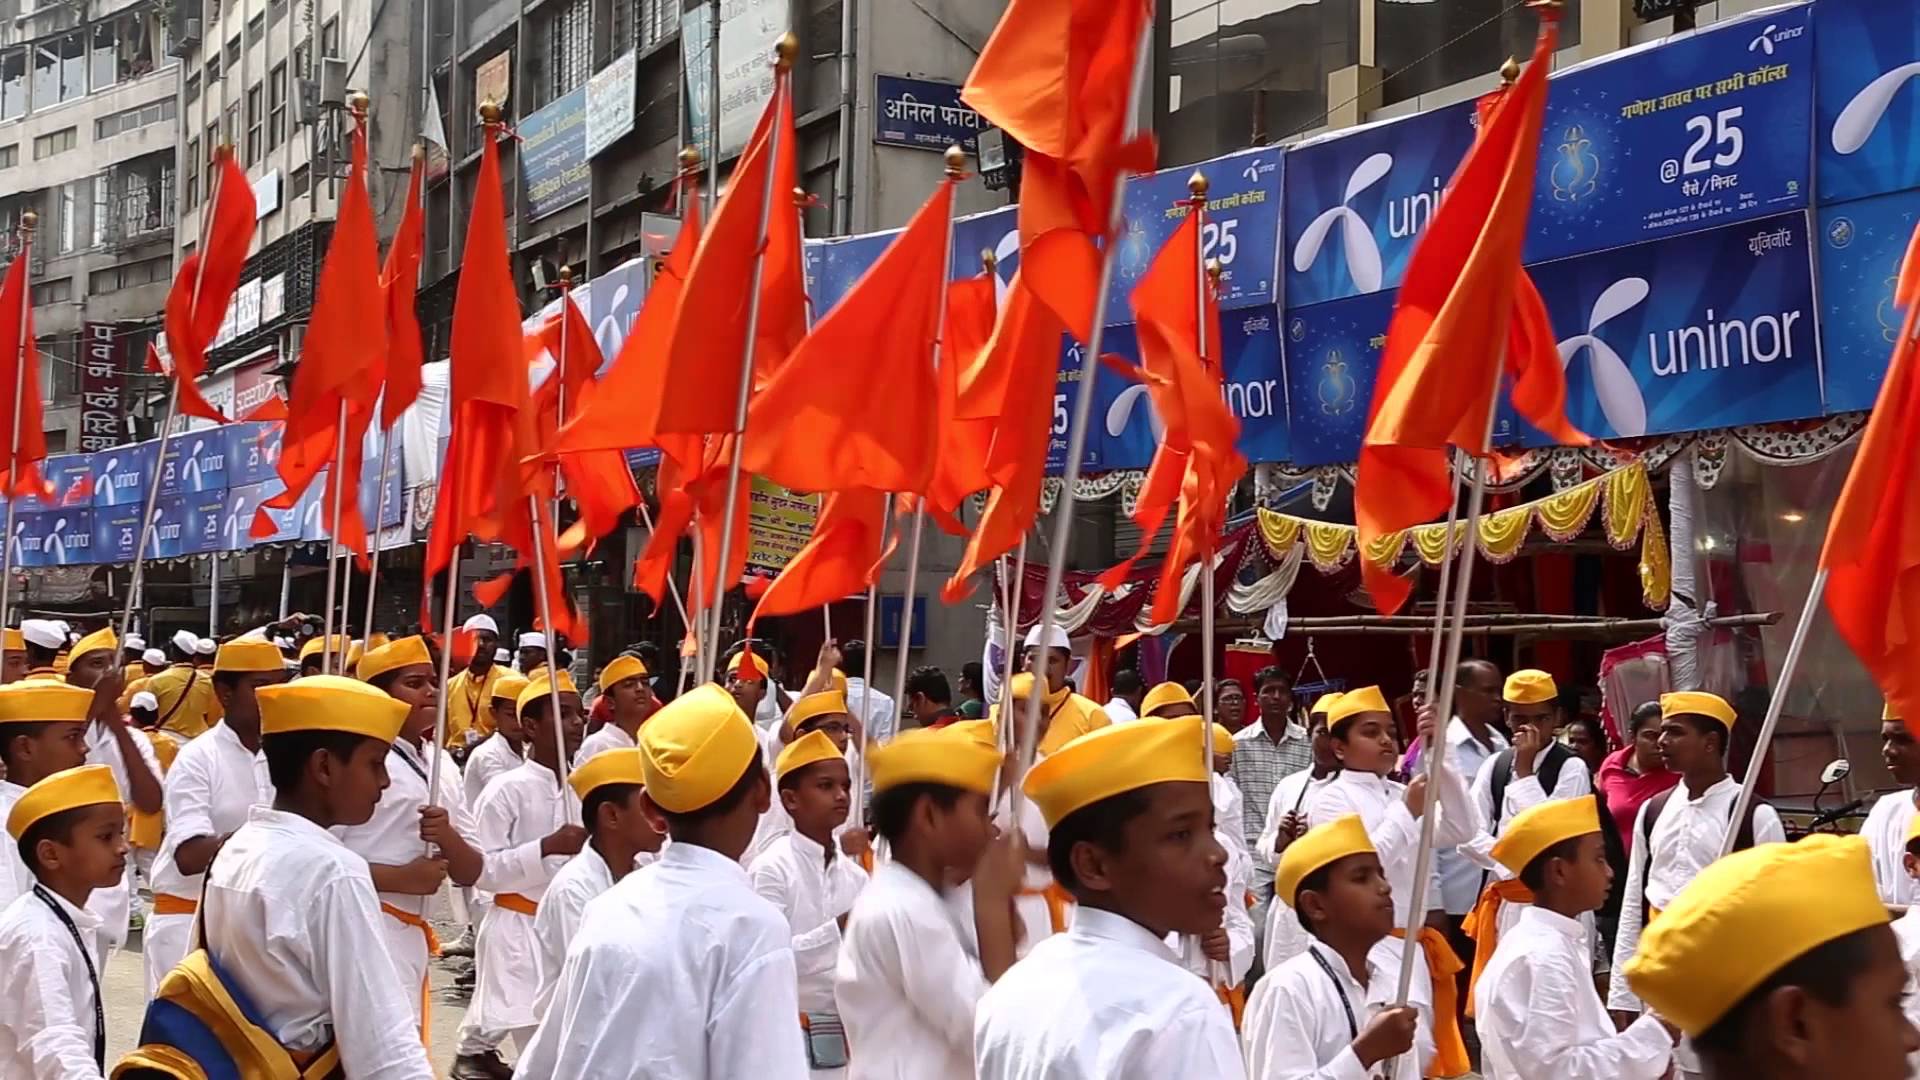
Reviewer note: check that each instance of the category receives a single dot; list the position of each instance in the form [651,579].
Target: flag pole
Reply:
[28,221]
[859,813]
[1082,416]
[800,200]
[545,600]
[1010,608]
[333,548]
[373,539]
[646,518]
[784,51]
[1776,702]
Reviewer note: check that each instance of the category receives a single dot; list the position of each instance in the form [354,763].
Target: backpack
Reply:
[1546,770]
[1741,840]
[200,1026]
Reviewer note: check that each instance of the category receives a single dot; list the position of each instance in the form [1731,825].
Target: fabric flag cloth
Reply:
[1023,353]
[841,558]
[1056,75]
[20,373]
[1196,465]
[1872,552]
[857,404]
[1465,304]
[960,467]
[400,279]
[204,286]
[598,481]
[342,363]
[699,387]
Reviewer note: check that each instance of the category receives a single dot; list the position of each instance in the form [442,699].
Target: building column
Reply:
[1605,26]
[1353,92]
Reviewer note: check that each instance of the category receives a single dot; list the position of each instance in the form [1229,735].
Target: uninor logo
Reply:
[1856,123]
[1356,235]
[1613,383]
[1763,43]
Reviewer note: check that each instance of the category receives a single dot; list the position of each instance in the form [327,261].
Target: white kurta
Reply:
[1237,920]
[46,1000]
[290,913]
[906,986]
[813,893]
[209,791]
[874,708]
[1460,878]
[115,906]
[776,822]
[1541,1019]
[1885,832]
[15,879]
[679,970]
[611,736]
[522,807]
[1687,837]
[492,757]
[584,877]
[1382,806]
[1230,816]
[391,837]
[1104,1001]
[1906,930]
[1297,1024]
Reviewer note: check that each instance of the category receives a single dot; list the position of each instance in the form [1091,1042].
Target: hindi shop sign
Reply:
[102,387]
[553,154]
[610,103]
[923,114]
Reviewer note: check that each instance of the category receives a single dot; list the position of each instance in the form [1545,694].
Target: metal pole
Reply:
[446,676]
[333,546]
[906,606]
[1082,418]
[843,181]
[646,518]
[560,375]
[553,640]
[713,113]
[859,816]
[286,585]
[213,601]
[27,222]
[1011,609]
[782,84]
[1775,703]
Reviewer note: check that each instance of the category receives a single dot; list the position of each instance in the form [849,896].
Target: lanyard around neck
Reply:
[86,957]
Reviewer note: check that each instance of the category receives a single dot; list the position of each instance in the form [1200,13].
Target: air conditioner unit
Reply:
[186,37]
[333,81]
[306,101]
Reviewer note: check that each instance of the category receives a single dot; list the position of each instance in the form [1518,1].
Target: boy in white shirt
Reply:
[43,730]
[813,884]
[619,839]
[624,682]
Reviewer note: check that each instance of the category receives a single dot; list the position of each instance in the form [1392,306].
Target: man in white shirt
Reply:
[291,915]
[624,681]
[1129,696]
[619,840]
[113,742]
[1906,929]
[1282,937]
[804,875]
[1539,1016]
[1681,832]
[680,969]
[212,785]
[1888,823]
[869,705]
[528,826]
[1472,741]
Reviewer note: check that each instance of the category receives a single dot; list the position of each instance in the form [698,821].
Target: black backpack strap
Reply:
[1744,838]
[1502,772]
[1650,814]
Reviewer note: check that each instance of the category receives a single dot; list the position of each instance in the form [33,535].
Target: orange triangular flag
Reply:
[598,481]
[204,286]
[856,405]
[839,560]
[1461,302]
[1872,552]
[400,278]
[20,373]
[961,467]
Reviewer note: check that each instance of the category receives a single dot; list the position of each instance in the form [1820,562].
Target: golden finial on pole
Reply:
[1213,271]
[420,151]
[689,159]
[29,221]
[1509,72]
[801,200]
[566,277]
[1197,184]
[357,103]
[988,261]
[222,151]
[1546,7]
[489,111]
[785,51]
[956,163]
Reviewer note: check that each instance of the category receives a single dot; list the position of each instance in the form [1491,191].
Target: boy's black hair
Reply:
[1102,824]
[227,680]
[1272,673]
[794,777]
[1648,712]
[973,674]
[57,827]
[932,682]
[720,807]
[144,718]
[1314,882]
[30,729]
[1825,972]
[853,659]
[1534,874]
[893,808]
[1127,681]
[600,796]
[288,752]
[1704,726]
[40,655]
[310,663]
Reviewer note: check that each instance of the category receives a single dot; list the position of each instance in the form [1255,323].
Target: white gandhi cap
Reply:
[45,633]
[1056,638]
[482,621]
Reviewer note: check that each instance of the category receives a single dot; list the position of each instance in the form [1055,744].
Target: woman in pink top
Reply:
[1634,773]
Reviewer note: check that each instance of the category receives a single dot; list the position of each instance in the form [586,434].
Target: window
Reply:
[330,37]
[155,112]
[67,200]
[1431,46]
[213,70]
[57,291]
[129,275]
[137,201]
[276,10]
[277,105]
[193,173]
[303,60]
[101,198]
[54,142]
[233,52]
[301,181]
[193,88]
[13,83]
[567,46]
[9,155]
[231,135]
[256,29]
[256,123]
[103,58]
[640,23]
[59,68]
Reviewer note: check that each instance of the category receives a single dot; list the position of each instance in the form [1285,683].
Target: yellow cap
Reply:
[1747,916]
[538,687]
[314,646]
[1022,684]
[1115,759]
[1320,845]
[1222,740]
[757,669]
[377,639]
[1888,712]
[392,656]
[956,759]
[15,641]
[507,688]
[813,706]
[1529,686]
[623,667]
[1697,703]
[620,766]
[695,749]
[1325,703]
[68,789]
[1367,699]
[249,654]
[330,703]
[1538,828]
[100,640]
[42,702]
[808,749]
[1161,696]
[983,732]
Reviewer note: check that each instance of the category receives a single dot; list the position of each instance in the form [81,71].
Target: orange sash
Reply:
[1059,903]
[168,904]
[1483,925]
[1235,999]
[513,901]
[1450,1047]
[408,918]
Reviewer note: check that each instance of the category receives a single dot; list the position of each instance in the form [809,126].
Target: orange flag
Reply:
[1056,76]
[700,387]
[341,364]
[204,286]
[1463,299]
[839,560]
[400,278]
[1872,553]
[598,481]
[961,466]
[857,405]
[20,374]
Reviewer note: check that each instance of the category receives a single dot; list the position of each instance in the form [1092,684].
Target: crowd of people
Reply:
[789,874]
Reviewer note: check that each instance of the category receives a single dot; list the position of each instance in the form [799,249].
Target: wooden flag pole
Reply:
[333,550]
[1776,702]
[373,537]
[859,813]
[28,221]
[1081,419]
[545,601]
[1010,607]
